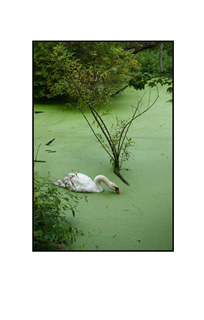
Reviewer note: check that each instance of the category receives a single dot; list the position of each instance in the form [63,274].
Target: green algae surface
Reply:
[140,217]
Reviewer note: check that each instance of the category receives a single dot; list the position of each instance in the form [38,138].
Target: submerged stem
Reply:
[117,172]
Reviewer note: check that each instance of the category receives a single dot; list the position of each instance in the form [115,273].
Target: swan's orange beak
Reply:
[117,190]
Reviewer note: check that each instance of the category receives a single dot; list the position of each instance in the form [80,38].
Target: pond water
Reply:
[140,217]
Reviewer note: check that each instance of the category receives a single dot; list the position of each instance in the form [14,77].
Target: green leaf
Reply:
[152,84]
[170,89]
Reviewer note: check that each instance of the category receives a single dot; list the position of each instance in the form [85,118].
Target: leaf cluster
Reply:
[140,79]
[52,230]
[116,137]
[89,63]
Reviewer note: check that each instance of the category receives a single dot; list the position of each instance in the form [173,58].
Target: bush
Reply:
[52,231]
[149,60]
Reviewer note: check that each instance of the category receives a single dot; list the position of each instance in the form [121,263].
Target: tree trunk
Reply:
[160,56]
[117,172]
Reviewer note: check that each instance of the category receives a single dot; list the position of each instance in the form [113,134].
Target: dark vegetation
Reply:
[114,60]
[52,231]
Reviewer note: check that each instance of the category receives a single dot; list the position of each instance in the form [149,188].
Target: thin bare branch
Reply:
[134,117]
[36,154]
[95,133]
[96,117]
[128,125]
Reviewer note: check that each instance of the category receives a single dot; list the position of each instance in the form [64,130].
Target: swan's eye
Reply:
[117,190]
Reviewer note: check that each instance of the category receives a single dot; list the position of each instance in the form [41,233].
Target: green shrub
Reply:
[52,231]
[149,60]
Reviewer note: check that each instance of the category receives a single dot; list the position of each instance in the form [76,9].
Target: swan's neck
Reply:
[99,179]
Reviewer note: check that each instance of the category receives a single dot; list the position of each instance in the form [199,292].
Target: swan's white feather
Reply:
[80,182]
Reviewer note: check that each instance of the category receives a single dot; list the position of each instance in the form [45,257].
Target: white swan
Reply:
[79,182]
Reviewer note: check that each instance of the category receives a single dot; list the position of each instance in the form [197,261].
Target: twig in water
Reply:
[47,144]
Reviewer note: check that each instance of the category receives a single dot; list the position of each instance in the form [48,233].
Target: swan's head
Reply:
[115,187]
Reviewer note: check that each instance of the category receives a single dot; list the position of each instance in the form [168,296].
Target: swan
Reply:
[79,182]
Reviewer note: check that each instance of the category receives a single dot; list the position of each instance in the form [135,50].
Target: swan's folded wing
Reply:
[82,183]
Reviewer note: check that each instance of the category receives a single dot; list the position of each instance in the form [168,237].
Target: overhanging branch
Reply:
[142,46]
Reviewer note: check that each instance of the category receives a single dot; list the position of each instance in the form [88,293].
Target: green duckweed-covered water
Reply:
[140,218]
